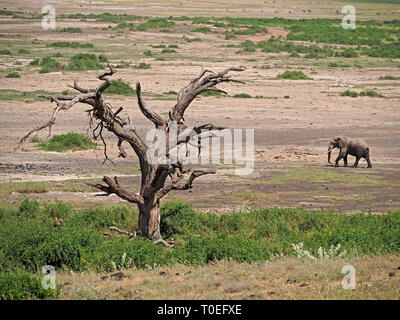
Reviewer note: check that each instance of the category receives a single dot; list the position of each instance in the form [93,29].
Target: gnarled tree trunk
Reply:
[158,177]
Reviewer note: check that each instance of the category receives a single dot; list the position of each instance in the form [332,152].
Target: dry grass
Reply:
[376,278]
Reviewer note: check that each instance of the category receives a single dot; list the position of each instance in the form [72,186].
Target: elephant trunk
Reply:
[329,153]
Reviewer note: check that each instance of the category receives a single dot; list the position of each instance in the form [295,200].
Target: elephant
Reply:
[354,147]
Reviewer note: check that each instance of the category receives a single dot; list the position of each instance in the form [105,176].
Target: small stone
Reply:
[104,278]
[162,273]
[391,274]
[303,285]
[117,276]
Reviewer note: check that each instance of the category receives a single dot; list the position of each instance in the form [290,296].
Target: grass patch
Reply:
[242,96]
[366,93]
[5,52]
[48,64]
[155,24]
[70,141]
[293,75]
[69,44]
[202,30]
[388,78]
[23,51]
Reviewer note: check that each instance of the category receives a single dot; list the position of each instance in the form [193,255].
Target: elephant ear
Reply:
[340,142]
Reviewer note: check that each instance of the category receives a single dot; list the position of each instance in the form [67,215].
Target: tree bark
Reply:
[149,218]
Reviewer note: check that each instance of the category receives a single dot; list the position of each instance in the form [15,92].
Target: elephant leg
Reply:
[337,160]
[368,161]
[355,165]
[345,160]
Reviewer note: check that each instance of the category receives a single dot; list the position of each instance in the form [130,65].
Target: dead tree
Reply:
[157,179]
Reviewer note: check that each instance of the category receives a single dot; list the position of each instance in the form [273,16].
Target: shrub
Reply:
[72,30]
[49,65]
[29,207]
[155,23]
[13,75]
[23,51]
[120,87]
[21,285]
[85,61]
[147,53]
[388,78]
[67,44]
[5,52]
[167,50]
[370,93]
[242,95]
[349,93]
[171,92]
[142,65]
[70,141]
[248,46]
[293,75]
[202,30]
[103,58]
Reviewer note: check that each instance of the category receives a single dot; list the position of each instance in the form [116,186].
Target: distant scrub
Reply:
[202,30]
[156,23]
[70,141]
[293,75]
[30,241]
[23,51]
[84,61]
[13,75]
[366,93]
[120,87]
[105,17]
[67,44]
[142,65]
[242,95]
[5,52]
[72,30]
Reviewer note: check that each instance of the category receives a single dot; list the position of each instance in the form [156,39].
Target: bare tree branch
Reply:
[158,121]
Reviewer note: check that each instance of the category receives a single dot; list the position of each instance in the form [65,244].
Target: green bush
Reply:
[349,93]
[70,141]
[370,93]
[142,65]
[49,65]
[167,50]
[21,286]
[5,52]
[85,61]
[29,208]
[67,44]
[156,23]
[202,30]
[242,95]
[13,75]
[120,87]
[147,53]
[72,30]
[23,51]
[293,75]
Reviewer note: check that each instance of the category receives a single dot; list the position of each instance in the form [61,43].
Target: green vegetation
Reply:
[68,44]
[120,87]
[84,61]
[23,51]
[293,75]
[366,93]
[167,50]
[70,141]
[5,52]
[72,30]
[155,23]
[29,239]
[47,65]
[142,65]
[13,75]
[103,17]
[21,286]
[242,95]
[389,78]
[147,53]
[202,30]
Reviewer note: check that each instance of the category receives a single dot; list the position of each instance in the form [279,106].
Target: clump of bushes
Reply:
[120,87]
[293,75]
[155,23]
[5,52]
[168,50]
[242,95]
[13,75]
[23,51]
[142,65]
[72,30]
[70,141]
[49,64]
[69,44]
[366,93]
[202,30]
[84,61]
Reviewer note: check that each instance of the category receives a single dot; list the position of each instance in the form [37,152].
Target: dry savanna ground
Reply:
[292,120]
